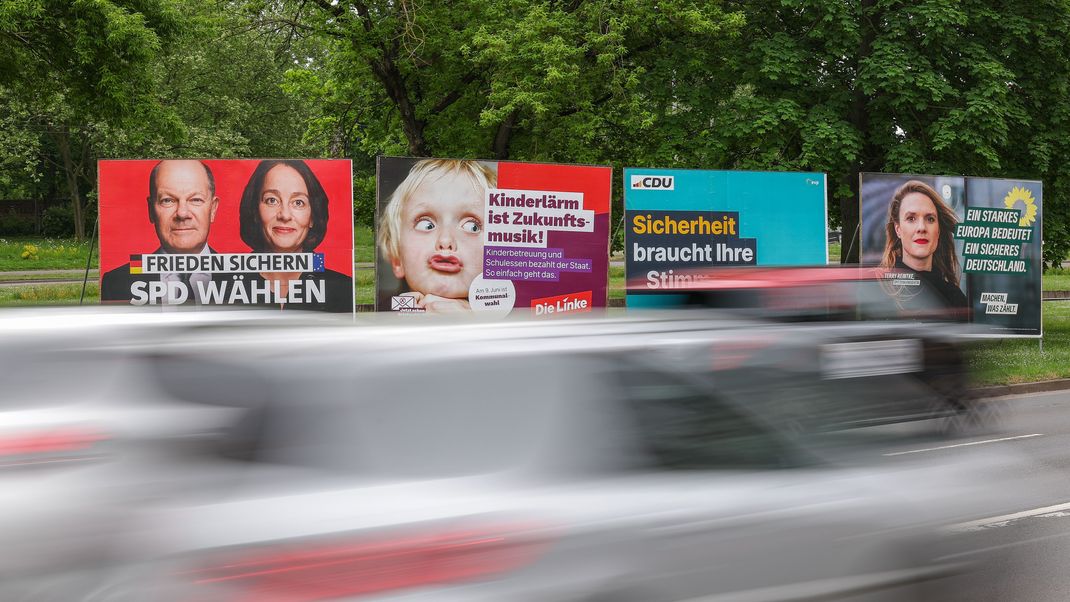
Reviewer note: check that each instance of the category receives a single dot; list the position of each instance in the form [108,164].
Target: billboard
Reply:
[491,237]
[971,246]
[222,232]
[678,219]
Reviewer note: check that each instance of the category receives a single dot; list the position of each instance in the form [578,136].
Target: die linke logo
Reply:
[640,182]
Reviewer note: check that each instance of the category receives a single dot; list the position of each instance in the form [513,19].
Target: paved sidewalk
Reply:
[46,273]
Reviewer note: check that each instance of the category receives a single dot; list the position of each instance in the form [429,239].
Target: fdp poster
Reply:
[456,235]
[273,233]
[968,246]
[679,219]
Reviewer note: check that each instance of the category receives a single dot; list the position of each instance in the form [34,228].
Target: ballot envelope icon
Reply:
[402,303]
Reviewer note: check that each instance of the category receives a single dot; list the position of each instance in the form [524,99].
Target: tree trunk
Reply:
[850,234]
[386,71]
[337,146]
[70,170]
[504,136]
[858,116]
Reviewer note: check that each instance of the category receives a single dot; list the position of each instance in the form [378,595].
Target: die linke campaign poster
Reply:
[968,248]
[270,233]
[680,219]
[487,237]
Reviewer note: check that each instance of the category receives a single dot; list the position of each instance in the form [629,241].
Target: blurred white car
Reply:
[579,461]
[82,436]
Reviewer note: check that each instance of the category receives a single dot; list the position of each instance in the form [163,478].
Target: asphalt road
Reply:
[1037,536]
[1032,539]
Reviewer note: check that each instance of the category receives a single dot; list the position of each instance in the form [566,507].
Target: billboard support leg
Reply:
[89,259]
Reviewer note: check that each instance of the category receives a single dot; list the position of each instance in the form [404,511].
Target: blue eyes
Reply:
[470,225]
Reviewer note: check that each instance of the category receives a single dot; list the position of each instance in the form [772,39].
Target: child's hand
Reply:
[438,305]
[443,305]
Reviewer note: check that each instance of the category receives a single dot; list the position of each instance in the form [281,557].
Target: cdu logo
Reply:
[652,182]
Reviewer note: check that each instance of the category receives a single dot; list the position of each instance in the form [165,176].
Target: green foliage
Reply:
[606,82]
[133,78]
[58,222]
[219,84]
[73,72]
[940,86]
[94,52]
[20,149]
[15,224]
[936,86]
[616,236]
[364,200]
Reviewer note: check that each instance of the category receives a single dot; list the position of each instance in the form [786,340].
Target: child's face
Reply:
[441,244]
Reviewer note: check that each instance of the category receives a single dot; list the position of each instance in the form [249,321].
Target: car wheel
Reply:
[976,417]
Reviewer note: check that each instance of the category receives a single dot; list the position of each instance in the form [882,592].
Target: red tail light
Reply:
[318,571]
[47,446]
[729,355]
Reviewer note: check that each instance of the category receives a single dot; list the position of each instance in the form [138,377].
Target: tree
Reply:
[938,86]
[76,66]
[1035,33]
[175,78]
[220,83]
[521,79]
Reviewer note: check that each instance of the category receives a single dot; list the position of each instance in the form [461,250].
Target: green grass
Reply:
[834,252]
[616,282]
[49,294]
[365,286]
[57,276]
[1056,279]
[363,244]
[1010,361]
[43,254]
[1056,282]
[67,254]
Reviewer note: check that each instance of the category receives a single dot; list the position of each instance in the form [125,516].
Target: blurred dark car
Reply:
[874,363]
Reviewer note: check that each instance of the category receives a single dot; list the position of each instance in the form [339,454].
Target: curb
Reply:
[1044,386]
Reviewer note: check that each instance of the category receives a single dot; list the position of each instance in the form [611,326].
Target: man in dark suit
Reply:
[182,205]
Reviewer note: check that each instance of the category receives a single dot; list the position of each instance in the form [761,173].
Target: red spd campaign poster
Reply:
[491,237]
[250,232]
